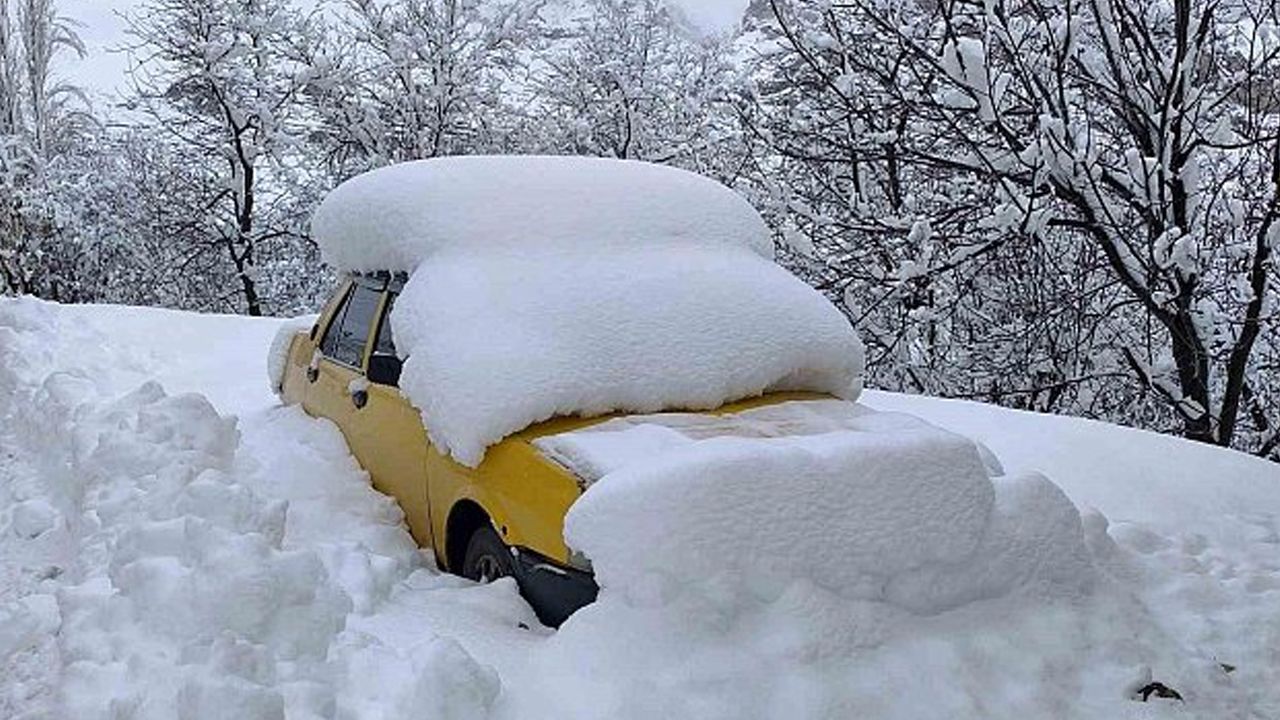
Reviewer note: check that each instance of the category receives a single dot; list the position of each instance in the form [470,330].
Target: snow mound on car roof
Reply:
[498,341]
[395,217]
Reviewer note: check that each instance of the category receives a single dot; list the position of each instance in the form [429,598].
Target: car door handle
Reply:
[360,398]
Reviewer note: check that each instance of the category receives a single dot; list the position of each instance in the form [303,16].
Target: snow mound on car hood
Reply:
[872,506]
[395,217]
[497,342]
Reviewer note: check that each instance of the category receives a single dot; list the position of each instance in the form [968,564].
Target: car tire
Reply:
[487,557]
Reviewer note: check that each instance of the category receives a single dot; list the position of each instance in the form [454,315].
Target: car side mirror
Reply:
[384,369]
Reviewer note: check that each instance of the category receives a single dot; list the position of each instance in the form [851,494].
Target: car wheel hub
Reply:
[488,568]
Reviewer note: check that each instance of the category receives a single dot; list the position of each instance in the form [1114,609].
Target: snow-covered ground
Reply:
[160,558]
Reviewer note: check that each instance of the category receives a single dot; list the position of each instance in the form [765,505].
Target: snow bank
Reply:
[870,506]
[498,342]
[150,570]
[395,217]
[1173,600]
[182,593]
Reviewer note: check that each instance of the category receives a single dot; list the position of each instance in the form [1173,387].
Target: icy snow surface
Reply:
[395,217]
[159,559]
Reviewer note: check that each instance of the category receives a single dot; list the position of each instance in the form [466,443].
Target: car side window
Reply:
[386,344]
[330,339]
[345,339]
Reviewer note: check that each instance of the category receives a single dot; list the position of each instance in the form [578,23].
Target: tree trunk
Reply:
[1193,378]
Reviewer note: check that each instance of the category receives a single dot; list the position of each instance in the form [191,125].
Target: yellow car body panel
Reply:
[525,495]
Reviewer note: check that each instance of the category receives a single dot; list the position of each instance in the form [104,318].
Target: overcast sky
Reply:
[101,28]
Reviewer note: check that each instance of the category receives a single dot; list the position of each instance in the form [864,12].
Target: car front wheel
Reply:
[487,558]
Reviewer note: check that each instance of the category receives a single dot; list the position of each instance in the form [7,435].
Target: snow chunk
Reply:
[437,678]
[358,384]
[33,517]
[871,506]
[848,510]
[496,342]
[395,217]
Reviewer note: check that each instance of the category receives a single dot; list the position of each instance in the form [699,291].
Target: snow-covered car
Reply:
[494,309]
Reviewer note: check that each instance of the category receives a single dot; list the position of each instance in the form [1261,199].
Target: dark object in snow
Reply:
[1160,690]
[1227,668]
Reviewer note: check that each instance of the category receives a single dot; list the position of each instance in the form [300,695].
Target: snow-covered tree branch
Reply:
[1143,131]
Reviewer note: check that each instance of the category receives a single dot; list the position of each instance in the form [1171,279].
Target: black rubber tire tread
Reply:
[485,542]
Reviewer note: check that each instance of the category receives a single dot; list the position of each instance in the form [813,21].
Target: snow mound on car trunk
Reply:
[395,217]
[871,506]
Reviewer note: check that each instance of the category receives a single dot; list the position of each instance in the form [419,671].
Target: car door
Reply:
[339,368]
[387,434]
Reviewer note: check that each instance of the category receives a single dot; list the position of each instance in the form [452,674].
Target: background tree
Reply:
[1140,132]
[629,79]
[414,79]
[950,300]
[224,79]
[44,123]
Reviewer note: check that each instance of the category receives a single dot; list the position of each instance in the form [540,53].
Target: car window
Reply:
[330,339]
[347,334]
[386,344]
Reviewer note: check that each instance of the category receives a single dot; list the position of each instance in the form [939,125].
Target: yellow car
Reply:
[502,518]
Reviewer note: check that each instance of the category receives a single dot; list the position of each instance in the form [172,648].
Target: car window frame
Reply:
[384,319]
[369,282]
[334,315]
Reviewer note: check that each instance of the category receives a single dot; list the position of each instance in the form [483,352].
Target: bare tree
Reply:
[627,79]
[42,124]
[224,79]
[415,79]
[1143,131]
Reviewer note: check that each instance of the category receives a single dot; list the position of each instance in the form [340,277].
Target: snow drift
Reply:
[868,505]
[546,286]
[99,470]
[161,574]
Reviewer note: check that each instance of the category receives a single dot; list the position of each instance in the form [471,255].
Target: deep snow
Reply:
[869,505]
[160,560]
[496,343]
